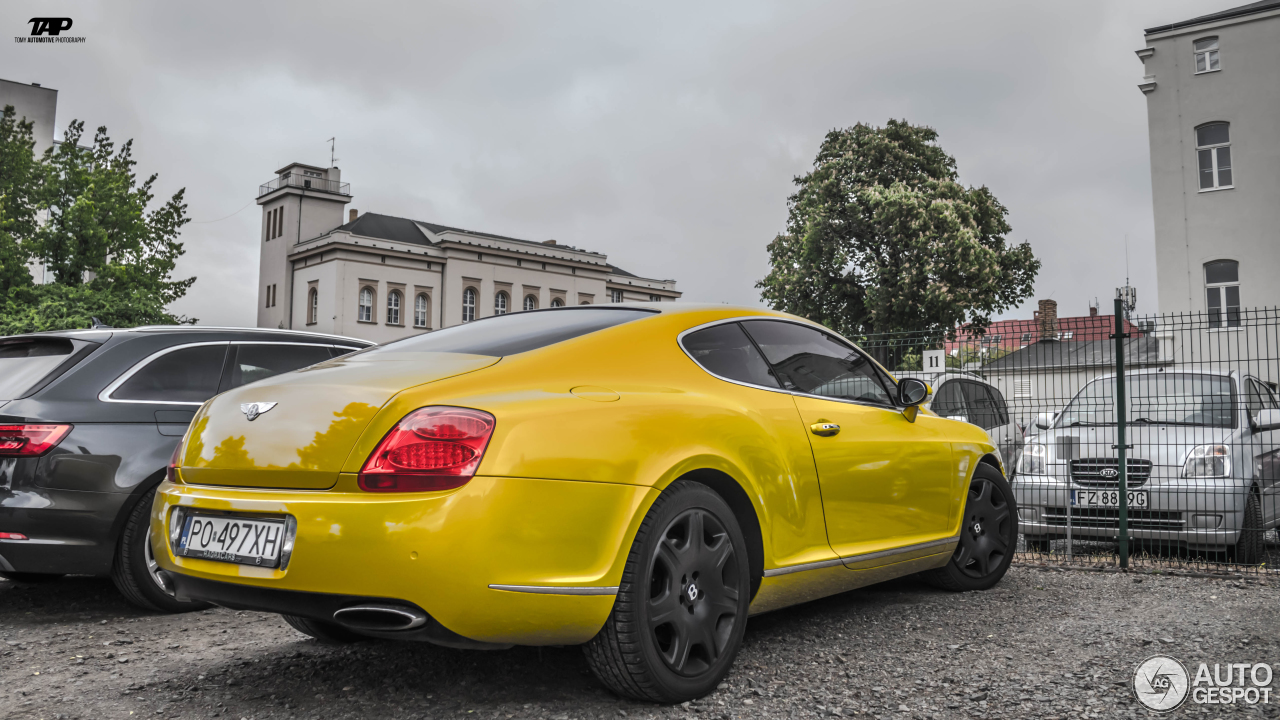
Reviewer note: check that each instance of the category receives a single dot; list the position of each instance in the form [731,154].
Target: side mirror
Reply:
[912,392]
[1044,421]
[1267,420]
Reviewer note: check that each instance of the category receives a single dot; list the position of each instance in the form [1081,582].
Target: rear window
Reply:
[24,364]
[516,332]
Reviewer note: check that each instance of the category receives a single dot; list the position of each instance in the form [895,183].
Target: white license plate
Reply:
[247,541]
[1108,498]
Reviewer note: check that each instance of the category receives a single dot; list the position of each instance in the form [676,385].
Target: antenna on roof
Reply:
[333,161]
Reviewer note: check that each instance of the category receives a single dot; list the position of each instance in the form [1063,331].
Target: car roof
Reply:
[103,334]
[949,374]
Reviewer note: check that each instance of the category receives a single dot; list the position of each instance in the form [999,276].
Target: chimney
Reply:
[548,242]
[1048,316]
[351,215]
[1093,311]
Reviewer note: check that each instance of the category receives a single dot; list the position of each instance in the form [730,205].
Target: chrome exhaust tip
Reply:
[380,618]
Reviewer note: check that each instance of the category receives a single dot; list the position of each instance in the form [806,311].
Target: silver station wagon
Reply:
[1202,465]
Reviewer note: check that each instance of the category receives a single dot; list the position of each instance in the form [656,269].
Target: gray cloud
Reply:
[664,134]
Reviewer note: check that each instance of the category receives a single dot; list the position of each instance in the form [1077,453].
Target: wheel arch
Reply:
[744,512]
[993,461]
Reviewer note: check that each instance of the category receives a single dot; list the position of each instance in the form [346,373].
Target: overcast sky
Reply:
[663,134]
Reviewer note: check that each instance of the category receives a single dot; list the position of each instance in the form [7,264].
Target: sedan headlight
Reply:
[1208,461]
[1034,459]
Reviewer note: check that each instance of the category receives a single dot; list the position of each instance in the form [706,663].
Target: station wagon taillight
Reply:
[432,448]
[30,440]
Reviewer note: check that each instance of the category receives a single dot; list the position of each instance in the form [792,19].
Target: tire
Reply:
[1038,544]
[31,578]
[1250,548]
[681,611]
[134,571]
[988,536]
[325,632]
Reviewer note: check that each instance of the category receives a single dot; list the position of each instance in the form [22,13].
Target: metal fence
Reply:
[1144,442]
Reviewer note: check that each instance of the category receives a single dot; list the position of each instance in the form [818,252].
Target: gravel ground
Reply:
[1044,643]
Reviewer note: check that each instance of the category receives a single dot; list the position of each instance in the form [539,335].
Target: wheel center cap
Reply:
[691,592]
[977,528]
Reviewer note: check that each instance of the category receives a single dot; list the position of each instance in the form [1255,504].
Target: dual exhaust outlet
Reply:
[380,618]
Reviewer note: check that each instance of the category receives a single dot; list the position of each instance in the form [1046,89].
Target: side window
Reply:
[724,350]
[340,351]
[258,362]
[948,402]
[186,375]
[1002,407]
[982,406]
[1259,398]
[813,362]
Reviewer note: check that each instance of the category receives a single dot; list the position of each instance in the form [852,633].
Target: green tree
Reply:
[882,238]
[111,258]
[19,184]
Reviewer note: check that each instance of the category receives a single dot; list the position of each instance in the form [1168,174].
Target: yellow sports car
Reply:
[638,479]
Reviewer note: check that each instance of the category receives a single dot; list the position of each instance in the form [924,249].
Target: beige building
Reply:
[382,278]
[1213,112]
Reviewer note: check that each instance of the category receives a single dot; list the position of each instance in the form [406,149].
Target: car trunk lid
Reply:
[304,423]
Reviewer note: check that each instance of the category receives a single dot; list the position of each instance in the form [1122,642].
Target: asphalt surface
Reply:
[1042,644]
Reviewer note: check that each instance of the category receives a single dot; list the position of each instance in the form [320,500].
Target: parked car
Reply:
[1201,469]
[88,422]
[967,397]
[637,479]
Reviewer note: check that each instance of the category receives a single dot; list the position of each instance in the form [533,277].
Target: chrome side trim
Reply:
[860,557]
[802,568]
[105,395]
[557,590]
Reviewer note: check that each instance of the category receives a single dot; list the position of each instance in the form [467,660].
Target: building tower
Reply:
[301,203]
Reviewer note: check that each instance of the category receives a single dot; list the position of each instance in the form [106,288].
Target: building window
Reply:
[394,299]
[1026,338]
[530,302]
[468,305]
[1213,149]
[420,311]
[271,295]
[500,304]
[313,306]
[1207,55]
[365,311]
[557,302]
[1222,290]
[655,298]
[615,296]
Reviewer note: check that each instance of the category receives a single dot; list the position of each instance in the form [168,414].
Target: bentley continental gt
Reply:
[638,479]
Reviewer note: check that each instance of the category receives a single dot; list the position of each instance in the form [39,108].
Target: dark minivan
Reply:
[88,422]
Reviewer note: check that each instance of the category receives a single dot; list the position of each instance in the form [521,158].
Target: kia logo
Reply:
[1109,473]
[49,26]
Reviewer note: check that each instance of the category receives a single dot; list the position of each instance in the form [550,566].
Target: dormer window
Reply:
[1207,55]
[312,173]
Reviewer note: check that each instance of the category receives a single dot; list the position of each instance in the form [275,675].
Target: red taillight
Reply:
[12,536]
[174,462]
[30,440]
[434,448]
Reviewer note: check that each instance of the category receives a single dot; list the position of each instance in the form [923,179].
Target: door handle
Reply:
[824,429]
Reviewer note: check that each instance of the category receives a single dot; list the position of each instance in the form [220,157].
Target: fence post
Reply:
[1122,447]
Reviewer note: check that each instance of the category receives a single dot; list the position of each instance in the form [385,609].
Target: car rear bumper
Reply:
[1194,513]
[499,560]
[68,531]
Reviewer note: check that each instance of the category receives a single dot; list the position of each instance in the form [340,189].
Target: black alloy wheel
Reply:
[693,593]
[988,535]
[681,610]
